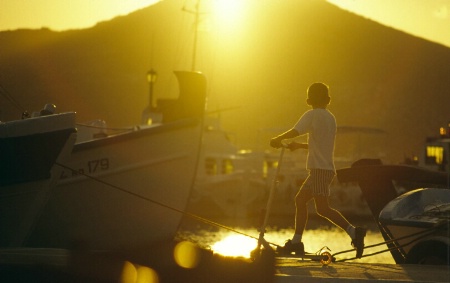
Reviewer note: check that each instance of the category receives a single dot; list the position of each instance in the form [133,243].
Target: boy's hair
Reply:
[318,94]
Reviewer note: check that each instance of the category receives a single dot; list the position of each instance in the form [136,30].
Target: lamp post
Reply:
[151,78]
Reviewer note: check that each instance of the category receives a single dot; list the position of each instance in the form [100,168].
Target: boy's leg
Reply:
[295,244]
[323,209]
[357,234]
[301,210]
[322,180]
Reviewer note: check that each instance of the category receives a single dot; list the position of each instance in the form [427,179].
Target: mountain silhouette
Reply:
[379,77]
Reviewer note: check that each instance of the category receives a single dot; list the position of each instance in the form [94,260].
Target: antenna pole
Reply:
[196,22]
[196,12]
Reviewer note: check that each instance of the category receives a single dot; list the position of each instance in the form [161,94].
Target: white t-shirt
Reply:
[320,125]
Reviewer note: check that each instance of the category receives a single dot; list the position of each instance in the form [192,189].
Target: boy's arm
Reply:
[276,141]
[295,145]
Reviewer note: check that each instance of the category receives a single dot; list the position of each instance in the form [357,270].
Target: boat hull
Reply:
[136,192]
[237,195]
[404,220]
[418,217]
[29,150]
[30,147]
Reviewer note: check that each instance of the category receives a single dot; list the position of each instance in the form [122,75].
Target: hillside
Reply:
[379,77]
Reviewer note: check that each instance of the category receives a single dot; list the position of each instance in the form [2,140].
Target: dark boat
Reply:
[415,224]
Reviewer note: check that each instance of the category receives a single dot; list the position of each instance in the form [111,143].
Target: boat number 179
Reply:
[93,166]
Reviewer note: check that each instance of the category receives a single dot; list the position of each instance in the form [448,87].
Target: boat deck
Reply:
[293,270]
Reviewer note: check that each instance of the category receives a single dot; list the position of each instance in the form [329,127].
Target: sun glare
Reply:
[235,245]
[228,13]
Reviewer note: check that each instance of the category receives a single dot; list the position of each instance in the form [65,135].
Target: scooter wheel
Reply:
[326,258]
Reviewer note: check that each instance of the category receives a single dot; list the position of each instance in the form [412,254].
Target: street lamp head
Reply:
[151,76]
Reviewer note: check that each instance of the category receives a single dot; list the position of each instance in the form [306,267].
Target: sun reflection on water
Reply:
[231,244]
[235,245]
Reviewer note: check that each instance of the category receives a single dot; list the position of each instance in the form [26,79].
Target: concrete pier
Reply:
[290,270]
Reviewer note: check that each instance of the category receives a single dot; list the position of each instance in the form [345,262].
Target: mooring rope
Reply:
[425,233]
[125,129]
[191,215]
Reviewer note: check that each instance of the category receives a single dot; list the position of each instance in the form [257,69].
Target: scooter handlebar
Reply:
[295,145]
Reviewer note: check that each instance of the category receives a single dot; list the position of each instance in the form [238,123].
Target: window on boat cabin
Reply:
[227,166]
[211,166]
[434,155]
[268,166]
[215,167]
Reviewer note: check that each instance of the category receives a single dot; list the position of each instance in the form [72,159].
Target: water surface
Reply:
[239,240]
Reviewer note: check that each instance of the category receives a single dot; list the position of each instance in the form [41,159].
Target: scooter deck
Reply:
[322,256]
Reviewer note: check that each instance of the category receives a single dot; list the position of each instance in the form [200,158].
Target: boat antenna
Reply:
[13,101]
[152,47]
[196,13]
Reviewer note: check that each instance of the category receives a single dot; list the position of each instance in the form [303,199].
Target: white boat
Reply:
[117,192]
[228,182]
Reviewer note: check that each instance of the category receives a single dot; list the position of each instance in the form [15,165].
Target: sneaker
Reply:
[358,242]
[290,248]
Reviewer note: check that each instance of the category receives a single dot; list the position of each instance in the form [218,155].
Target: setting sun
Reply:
[235,245]
[228,14]
[228,10]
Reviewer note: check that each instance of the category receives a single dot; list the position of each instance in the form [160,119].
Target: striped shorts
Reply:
[318,181]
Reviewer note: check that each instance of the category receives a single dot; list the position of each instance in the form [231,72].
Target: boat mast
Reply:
[194,51]
[196,13]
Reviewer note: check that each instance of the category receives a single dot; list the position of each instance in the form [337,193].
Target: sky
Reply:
[63,14]
[428,19]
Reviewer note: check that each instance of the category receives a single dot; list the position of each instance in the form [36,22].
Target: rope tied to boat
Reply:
[420,235]
[191,215]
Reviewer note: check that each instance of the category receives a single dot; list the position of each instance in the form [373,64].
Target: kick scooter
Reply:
[323,255]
